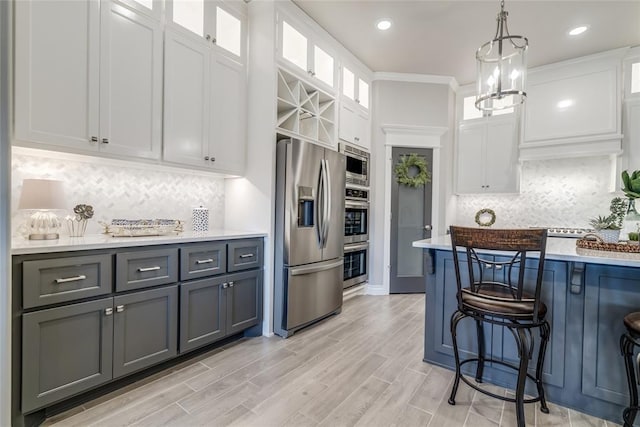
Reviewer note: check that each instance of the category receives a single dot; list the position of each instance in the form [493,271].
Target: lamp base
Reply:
[44,236]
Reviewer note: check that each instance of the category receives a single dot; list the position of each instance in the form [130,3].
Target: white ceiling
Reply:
[441,37]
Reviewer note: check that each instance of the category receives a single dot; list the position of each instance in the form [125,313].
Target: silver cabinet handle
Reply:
[105,140]
[231,284]
[94,139]
[488,266]
[498,267]
[71,279]
[225,286]
[120,308]
[428,227]
[247,256]
[204,261]
[143,269]
[108,311]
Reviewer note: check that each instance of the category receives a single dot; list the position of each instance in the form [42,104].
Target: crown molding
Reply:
[417,78]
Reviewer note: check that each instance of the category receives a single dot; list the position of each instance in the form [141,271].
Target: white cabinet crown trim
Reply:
[417,78]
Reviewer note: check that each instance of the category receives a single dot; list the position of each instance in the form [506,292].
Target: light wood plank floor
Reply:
[361,368]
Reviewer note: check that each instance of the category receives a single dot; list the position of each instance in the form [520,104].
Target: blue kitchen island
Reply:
[587,293]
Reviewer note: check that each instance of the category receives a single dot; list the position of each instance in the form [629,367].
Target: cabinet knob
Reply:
[213,40]
[108,311]
[206,157]
[355,138]
[120,308]
[357,101]
[213,159]
[208,37]
[225,286]
[231,284]
[105,140]
[94,139]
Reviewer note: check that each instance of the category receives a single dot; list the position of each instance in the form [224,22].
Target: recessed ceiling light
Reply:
[383,24]
[578,30]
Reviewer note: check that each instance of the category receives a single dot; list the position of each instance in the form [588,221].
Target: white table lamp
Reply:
[42,196]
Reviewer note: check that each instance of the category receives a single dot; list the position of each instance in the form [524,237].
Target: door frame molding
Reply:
[408,136]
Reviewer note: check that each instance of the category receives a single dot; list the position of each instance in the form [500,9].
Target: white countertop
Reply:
[22,246]
[558,248]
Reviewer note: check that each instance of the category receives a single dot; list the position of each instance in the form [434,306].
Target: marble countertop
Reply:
[558,248]
[22,246]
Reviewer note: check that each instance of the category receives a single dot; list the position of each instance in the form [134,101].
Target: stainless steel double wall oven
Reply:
[356,216]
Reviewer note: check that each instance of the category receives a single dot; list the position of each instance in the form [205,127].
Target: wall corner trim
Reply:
[414,130]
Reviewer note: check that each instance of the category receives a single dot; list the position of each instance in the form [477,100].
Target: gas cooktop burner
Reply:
[575,233]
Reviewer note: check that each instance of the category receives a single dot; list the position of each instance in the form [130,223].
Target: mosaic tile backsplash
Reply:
[559,192]
[119,191]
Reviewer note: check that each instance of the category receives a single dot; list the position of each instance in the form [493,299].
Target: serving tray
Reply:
[599,245]
[143,227]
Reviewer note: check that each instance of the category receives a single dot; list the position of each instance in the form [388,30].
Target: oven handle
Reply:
[355,204]
[353,248]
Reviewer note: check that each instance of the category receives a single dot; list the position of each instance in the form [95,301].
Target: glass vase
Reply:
[76,227]
[631,220]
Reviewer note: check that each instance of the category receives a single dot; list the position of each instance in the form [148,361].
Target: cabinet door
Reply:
[56,72]
[145,329]
[191,17]
[501,157]
[610,294]
[186,100]
[470,163]
[202,313]
[203,260]
[347,127]
[228,140]
[554,295]
[363,132]
[244,305]
[130,84]
[65,351]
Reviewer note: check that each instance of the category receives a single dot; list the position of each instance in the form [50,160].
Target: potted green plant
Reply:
[606,227]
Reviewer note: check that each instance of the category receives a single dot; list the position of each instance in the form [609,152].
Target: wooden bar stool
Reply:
[501,300]
[628,342]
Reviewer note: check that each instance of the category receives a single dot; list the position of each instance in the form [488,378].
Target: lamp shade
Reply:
[42,194]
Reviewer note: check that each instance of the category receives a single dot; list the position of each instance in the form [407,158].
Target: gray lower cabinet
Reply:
[65,351]
[145,329]
[70,349]
[213,308]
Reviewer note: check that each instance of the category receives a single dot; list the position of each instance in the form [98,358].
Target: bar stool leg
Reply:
[523,351]
[545,332]
[626,347]
[481,350]
[455,318]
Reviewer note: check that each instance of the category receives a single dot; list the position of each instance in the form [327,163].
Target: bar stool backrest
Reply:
[512,247]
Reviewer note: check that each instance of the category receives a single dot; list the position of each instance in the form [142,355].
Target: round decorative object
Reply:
[404,166]
[485,217]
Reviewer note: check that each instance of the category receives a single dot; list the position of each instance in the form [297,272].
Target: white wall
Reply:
[118,189]
[411,104]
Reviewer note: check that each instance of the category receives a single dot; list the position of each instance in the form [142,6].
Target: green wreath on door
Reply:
[405,164]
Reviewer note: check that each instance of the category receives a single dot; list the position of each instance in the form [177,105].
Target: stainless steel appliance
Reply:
[357,165]
[356,215]
[355,264]
[310,181]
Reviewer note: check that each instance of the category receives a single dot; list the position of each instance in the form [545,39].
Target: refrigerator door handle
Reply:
[310,269]
[319,207]
[327,203]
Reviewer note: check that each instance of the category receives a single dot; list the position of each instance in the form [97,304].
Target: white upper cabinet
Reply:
[574,108]
[218,23]
[305,54]
[354,126]
[205,94]
[487,156]
[87,81]
[355,87]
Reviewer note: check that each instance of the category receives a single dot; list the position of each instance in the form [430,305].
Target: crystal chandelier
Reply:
[502,68]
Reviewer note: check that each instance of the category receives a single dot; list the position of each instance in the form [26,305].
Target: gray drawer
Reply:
[244,254]
[203,260]
[135,270]
[51,281]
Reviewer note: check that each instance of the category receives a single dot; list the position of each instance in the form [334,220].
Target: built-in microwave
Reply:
[355,264]
[356,215]
[357,165]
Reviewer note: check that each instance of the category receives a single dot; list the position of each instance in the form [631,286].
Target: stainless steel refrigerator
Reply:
[309,234]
